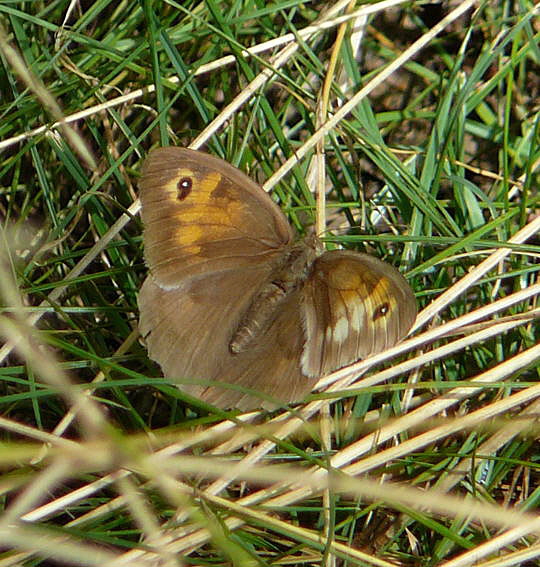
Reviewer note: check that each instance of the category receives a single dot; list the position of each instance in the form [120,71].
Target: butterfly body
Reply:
[288,276]
[231,298]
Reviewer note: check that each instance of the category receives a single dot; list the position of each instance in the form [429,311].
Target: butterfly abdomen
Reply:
[258,317]
[288,276]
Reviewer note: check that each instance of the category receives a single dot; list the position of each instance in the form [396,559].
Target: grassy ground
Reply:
[427,130]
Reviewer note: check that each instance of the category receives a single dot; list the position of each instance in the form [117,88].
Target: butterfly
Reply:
[233,297]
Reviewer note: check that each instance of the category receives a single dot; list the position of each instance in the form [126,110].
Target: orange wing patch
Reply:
[207,214]
[197,210]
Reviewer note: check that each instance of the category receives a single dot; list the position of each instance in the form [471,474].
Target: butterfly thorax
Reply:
[290,273]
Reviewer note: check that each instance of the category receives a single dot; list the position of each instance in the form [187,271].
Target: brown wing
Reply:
[188,332]
[202,215]
[355,305]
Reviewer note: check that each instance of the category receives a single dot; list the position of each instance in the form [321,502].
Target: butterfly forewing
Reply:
[202,215]
[354,306]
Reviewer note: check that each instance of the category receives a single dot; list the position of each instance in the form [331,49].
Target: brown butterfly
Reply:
[233,297]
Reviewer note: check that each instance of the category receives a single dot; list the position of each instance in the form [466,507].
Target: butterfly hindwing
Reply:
[189,334]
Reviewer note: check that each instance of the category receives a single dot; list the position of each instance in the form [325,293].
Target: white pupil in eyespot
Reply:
[184,187]
[381,311]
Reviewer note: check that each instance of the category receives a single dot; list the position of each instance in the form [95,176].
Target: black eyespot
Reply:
[382,310]
[184,187]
